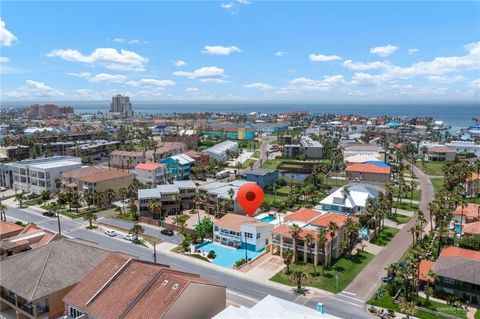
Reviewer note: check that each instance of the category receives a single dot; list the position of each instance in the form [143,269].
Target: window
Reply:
[74,313]
[248,235]
[258,235]
[165,282]
[449,281]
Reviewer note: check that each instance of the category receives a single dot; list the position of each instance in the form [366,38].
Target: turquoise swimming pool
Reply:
[227,256]
[266,219]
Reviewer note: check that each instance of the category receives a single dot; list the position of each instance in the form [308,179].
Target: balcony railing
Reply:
[8,297]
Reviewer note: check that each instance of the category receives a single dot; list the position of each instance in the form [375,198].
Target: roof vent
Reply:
[175,286]
[165,282]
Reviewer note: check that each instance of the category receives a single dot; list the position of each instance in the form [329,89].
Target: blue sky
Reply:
[240,50]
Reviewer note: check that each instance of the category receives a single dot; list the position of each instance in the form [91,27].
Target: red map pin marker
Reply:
[250,197]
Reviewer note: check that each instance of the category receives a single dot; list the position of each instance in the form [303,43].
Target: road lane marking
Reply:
[360,300]
[351,303]
[242,296]
[349,293]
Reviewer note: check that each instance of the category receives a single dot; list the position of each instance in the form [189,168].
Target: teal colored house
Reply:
[178,166]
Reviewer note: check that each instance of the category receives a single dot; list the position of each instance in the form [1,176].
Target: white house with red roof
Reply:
[151,173]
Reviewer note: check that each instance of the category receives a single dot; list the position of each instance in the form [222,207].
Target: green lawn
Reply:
[432,168]
[126,216]
[284,190]
[416,194]
[32,202]
[270,164]
[247,163]
[474,200]
[477,314]
[437,183]
[278,198]
[346,268]
[256,154]
[406,206]
[400,219]
[386,301]
[385,236]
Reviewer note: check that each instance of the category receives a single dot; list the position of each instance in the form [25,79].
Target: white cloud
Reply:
[245,2]
[384,51]
[108,57]
[151,83]
[108,78]
[226,5]
[475,84]
[7,38]
[220,50]
[364,79]
[34,89]
[259,86]
[179,63]
[192,90]
[280,53]
[413,51]
[306,84]
[100,78]
[4,59]
[445,79]
[323,58]
[205,74]
[119,40]
[361,66]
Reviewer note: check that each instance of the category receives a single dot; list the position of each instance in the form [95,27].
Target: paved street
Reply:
[240,289]
[368,281]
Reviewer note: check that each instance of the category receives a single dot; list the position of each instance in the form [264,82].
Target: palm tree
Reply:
[431,278]
[424,151]
[20,197]
[122,193]
[332,228]
[406,307]
[58,184]
[310,243]
[132,206]
[136,230]
[412,230]
[287,259]
[295,232]
[155,206]
[90,216]
[322,240]
[297,277]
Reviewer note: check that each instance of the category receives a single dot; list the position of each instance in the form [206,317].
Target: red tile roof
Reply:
[472,228]
[8,229]
[150,166]
[339,219]
[469,211]
[303,215]
[423,269]
[105,175]
[440,149]
[368,168]
[285,231]
[474,177]
[452,251]
[121,287]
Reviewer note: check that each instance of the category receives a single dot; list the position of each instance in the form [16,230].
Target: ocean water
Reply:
[457,115]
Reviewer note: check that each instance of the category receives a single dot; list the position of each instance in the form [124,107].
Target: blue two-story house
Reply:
[178,166]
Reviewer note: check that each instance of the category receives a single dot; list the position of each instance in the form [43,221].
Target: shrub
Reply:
[211,254]
[239,263]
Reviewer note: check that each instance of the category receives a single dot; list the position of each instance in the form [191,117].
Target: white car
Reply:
[130,237]
[111,233]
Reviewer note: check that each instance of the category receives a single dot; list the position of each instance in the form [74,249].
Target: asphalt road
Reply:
[368,280]
[240,289]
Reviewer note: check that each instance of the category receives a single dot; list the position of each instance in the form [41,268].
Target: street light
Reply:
[58,222]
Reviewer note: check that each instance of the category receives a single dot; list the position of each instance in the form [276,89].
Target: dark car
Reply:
[167,232]
[48,214]
[202,178]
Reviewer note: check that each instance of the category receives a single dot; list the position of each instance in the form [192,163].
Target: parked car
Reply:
[48,214]
[202,178]
[111,233]
[130,237]
[167,232]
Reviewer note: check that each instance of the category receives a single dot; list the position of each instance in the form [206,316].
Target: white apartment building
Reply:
[464,147]
[219,192]
[218,151]
[37,175]
[237,231]
[311,148]
[151,173]
[173,197]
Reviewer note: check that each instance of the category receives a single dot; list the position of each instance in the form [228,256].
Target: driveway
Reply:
[368,280]
[149,231]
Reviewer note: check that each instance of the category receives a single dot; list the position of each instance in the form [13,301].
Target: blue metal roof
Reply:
[378,163]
